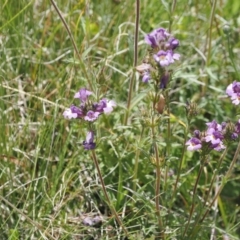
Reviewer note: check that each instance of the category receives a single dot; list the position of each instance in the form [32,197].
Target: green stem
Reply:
[158,175]
[209,44]
[231,55]
[130,90]
[209,191]
[135,173]
[73,42]
[180,164]
[229,172]
[114,213]
[193,197]
[168,140]
[210,31]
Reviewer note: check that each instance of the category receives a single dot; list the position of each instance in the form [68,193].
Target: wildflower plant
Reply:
[156,73]
[159,159]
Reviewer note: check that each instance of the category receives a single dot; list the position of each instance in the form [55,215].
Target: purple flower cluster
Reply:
[161,56]
[214,136]
[233,91]
[164,45]
[89,112]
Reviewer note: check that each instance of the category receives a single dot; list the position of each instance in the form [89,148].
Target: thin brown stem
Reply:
[157,191]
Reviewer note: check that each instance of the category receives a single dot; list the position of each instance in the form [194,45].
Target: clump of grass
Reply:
[153,187]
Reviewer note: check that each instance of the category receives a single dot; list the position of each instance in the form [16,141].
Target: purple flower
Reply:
[197,134]
[164,80]
[193,144]
[89,143]
[82,94]
[110,104]
[146,77]
[218,146]
[104,106]
[91,116]
[233,91]
[156,37]
[165,58]
[237,127]
[145,69]
[213,136]
[172,43]
[73,112]
[234,136]
[215,125]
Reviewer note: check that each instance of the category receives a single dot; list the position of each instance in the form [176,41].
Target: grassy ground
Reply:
[49,187]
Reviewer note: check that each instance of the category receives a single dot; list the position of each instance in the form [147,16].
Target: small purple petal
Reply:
[233,91]
[89,144]
[73,112]
[166,58]
[218,146]
[197,134]
[164,80]
[146,77]
[237,127]
[109,108]
[69,114]
[214,125]
[172,43]
[157,36]
[91,116]
[193,144]
[234,136]
[82,94]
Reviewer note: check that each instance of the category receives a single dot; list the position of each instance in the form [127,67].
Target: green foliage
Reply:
[49,184]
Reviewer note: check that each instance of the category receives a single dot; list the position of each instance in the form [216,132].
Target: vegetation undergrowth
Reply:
[119,119]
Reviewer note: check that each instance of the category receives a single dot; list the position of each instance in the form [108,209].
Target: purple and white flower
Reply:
[216,126]
[165,58]
[73,112]
[194,144]
[233,91]
[156,37]
[213,136]
[218,146]
[91,116]
[104,106]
